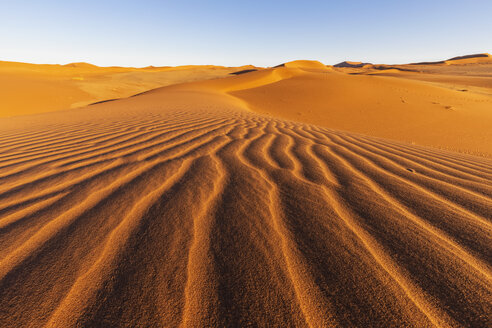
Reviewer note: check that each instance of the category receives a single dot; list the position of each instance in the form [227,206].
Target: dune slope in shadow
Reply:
[182,209]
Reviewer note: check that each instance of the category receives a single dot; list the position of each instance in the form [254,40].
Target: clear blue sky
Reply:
[264,33]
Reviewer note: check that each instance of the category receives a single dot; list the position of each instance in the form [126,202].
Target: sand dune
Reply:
[30,89]
[184,207]
[305,64]
[351,64]
[484,58]
[395,106]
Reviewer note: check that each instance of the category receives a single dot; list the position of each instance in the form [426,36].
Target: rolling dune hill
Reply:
[31,89]
[215,204]
[466,73]
[394,107]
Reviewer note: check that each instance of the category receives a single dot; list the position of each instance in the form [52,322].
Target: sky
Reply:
[233,33]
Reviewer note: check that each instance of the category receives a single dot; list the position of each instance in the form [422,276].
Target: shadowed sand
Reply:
[182,207]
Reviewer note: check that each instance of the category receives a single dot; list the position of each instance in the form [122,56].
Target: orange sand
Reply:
[30,88]
[214,204]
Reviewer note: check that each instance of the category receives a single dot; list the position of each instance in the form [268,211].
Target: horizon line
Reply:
[221,65]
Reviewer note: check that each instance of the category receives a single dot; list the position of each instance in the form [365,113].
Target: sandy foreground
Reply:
[303,195]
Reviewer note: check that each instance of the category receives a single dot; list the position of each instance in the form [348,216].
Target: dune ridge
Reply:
[483,58]
[182,207]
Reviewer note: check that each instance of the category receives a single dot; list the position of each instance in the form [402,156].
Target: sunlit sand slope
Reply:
[182,209]
[442,114]
[30,88]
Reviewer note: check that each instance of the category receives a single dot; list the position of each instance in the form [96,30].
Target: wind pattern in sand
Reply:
[225,218]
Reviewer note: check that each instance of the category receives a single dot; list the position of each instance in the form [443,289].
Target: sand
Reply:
[31,89]
[436,109]
[211,204]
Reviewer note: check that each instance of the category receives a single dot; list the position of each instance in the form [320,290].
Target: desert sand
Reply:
[32,89]
[301,195]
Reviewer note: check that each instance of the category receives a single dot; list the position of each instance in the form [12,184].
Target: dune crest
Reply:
[309,64]
[351,64]
[470,59]
[81,65]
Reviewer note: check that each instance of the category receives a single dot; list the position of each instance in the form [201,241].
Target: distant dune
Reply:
[351,64]
[460,60]
[57,87]
[81,65]
[296,196]
[476,56]
[305,64]
[471,59]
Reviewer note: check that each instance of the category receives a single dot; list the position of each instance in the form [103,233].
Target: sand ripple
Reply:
[232,219]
